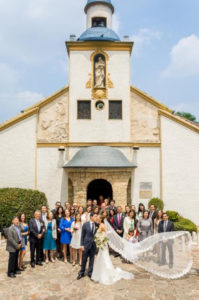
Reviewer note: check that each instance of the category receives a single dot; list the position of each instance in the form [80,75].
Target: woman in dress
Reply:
[80,210]
[141,209]
[96,210]
[58,216]
[86,216]
[104,271]
[110,217]
[157,220]
[24,233]
[127,210]
[76,229]
[130,222]
[50,237]
[145,227]
[72,212]
[65,226]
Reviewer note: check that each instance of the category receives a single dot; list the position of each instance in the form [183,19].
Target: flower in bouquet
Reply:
[75,228]
[100,240]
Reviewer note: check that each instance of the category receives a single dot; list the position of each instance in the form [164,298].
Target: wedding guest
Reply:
[101,200]
[72,212]
[44,213]
[111,216]
[81,210]
[66,205]
[95,204]
[24,233]
[141,209]
[14,243]
[65,226]
[89,203]
[75,206]
[76,229]
[152,213]
[130,237]
[130,222]
[50,237]
[86,216]
[157,220]
[103,208]
[106,202]
[37,231]
[104,214]
[133,207]
[57,204]
[145,227]
[166,226]
[118,221]
[96,210]
[58,216]
[127,210]
[112,206]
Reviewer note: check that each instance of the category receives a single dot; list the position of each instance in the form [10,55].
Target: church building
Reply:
[99,135]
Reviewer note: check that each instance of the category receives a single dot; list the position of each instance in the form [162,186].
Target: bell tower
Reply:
[99,80]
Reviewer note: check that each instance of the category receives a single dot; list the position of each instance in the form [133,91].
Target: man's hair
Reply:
[92,214]
[15,217]
[37,211]
[165,214]
[112,201]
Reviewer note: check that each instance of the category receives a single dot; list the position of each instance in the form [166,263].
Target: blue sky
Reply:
[34,63]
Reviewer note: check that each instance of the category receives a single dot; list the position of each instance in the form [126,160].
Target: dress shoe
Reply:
[21,269]
[17,272]
[33,265]
[39,263]
[89,275]
[80,276]
[12,275]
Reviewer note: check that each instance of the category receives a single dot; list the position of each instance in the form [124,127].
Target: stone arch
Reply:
[98,187]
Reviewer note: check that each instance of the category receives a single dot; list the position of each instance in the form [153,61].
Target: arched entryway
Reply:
[99,187]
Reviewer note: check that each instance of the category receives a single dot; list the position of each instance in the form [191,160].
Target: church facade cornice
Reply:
[105,45]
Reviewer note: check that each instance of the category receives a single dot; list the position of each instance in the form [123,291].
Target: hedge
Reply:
[180,223]
[14,201]
[158,203]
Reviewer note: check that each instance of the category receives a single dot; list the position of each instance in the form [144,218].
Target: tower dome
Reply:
[106,2]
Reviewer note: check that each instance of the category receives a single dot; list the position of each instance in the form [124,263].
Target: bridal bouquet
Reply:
[75,228]
[100,240]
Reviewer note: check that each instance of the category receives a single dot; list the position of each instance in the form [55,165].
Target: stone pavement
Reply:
[58,282]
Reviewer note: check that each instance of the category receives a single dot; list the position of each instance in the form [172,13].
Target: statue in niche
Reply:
[99,71]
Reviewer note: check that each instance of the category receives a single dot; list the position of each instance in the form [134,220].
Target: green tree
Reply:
[186,115]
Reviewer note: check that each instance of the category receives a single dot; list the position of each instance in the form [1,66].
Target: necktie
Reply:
[93,228]
[38,226]
[119,219]
[165,226]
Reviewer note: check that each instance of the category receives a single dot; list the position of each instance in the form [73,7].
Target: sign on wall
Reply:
[145,190]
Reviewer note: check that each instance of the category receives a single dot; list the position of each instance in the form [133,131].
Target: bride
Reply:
[104,271]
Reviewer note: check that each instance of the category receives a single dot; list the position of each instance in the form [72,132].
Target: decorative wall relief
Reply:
[53,122]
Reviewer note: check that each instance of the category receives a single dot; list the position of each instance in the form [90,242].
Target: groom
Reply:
[88,245]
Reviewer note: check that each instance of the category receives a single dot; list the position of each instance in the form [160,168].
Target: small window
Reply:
[98,22]
[84,110]
[115,110]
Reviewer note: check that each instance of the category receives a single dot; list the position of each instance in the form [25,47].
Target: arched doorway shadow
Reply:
[99,187]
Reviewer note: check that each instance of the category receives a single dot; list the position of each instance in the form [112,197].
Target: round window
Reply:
[99,105]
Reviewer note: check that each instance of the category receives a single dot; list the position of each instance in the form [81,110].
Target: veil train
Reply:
[148,253]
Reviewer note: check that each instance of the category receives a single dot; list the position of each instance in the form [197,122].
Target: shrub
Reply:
[159,204]
[13,201]
[173,215]
[185,225]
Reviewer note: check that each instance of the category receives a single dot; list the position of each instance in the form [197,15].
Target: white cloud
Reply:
[144,37]
[184,58]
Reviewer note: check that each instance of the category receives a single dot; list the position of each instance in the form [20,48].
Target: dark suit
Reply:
[116,224]
[35,243]
[153,215]
[87,241]
[169,243]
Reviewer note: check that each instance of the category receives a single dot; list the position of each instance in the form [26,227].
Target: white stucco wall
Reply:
[17,154]
[99,128]
[52,178]
[180,154]
[99,10]
[148,170]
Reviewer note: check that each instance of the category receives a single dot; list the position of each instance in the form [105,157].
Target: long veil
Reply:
[148,253]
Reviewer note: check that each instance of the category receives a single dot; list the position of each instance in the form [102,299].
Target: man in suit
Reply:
[152,213]
[118,221]
[54,210]
[112,207]
[166,226]
[14,243]
[88,245]
[37,231]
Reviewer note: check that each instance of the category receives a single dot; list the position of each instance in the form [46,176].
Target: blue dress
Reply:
[25,237]
[49,242]
[65,235]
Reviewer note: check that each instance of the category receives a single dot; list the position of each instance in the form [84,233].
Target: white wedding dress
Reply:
[104,271]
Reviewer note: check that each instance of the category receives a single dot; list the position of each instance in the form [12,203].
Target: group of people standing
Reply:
[57,233]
